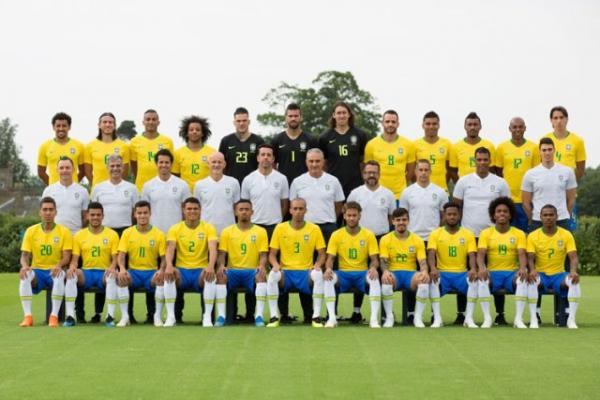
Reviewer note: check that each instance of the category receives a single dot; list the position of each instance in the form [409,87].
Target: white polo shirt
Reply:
[476,194]
[217,199]
[117,200]
[165,198]
[265,192]
[320,195]
[549,186]
[376,206]
[424,205]
[70,202]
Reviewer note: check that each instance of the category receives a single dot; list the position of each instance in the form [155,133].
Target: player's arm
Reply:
[374,266]
[88,172]
[574,264]
[209,271]
[41,172]
[432,264]
[481,267]
[384,263]
[285,207]
[25,261]
[527,206]
[579,169]
[472,266]
[73,264]
[522,273]
[169,259]
[64,261]
[338,208]
[122,277]
[423,269]
[275,266]
[571,195]
[262,265]
[134,169]
[500,172]
[531,267]
[321,257]
[452,174]
[410,173]
[329,267]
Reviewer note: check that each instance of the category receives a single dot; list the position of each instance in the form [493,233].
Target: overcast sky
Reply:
[499,58]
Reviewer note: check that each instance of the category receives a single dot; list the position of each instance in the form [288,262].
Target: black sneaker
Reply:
[179,321]
[110,321]
[149,321]
[460,319]
[410,319]
[287,320]
[356,318]
[539,318]
[69,322]
[81,320]
[96,319]
[132,320]
[273,323]
[500,320]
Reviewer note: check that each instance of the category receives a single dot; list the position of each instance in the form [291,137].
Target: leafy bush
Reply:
[12,230]
[587,238]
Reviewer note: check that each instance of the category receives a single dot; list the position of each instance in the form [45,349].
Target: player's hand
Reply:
[328,275]
[169,273]
[373,274]
[386,276]
[276,268]
[110,271]
[123,278]
[261,274]
[71,273]
[434,274]
[483,275]
[23,272]
[425,276]
[574,276]
[533,276]
[221,273]
[56,271]
[522,274]
[209,274]
[472,275]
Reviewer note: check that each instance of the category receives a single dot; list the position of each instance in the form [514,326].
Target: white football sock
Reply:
[159,298]
[123,294]
[318,290]
[209,294]
[375,297]
[26,293]
[387,294]
[220,296]
[329,293]
[532,298]
[520,299]
[111,296]
[261,297]
[422,296]
[170,293]
[434,295]
[273,293]
[573,296]
[58,292]
[483,292]
[70,296]
[472,290]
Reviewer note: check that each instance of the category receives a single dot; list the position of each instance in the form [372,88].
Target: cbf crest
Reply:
[492,188]
[411,249]
[56,239]
[442,150]
[353,140]
[160,146]
[306,237]
[362,243]
[461,241]
[513,240]
[105,241]
[568,147]
[527,153]
[152,243]
[252,147]
[302,146]
[253,238]
[201,236]
[327,187]
[401,151]
[559,243]
[72,150]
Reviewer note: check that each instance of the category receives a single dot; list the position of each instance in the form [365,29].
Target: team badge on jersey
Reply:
[327,187]
[252,147]
[253,238]
[492,188]
[56,239]
[362,243]
[204,158]
[434,196]
[568,147]
[442,150]
[411,249]
[126,193]
[227,190]
[174,190]
[561,178]
[513,240]
[302,146]
[160,146]
[117,150]
[527,153]
[76,195]
[353,140]
[72,150]
[152,243]
[306,238]
[559,243]
[201,236]
[461,241]
[276,185]
[400,151]
[382,201]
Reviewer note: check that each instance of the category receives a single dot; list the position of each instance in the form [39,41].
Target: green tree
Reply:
[126,130]
[588,193]
[10,153]
[317,102]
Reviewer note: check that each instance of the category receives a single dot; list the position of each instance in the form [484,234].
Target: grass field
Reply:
[292,362]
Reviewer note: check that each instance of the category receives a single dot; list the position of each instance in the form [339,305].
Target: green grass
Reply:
[241,362]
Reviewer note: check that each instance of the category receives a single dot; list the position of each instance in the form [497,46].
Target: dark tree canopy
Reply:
[10,153]
[126,130]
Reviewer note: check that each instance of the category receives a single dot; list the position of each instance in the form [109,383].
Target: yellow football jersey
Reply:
[569,150]
[192,244]
[502,249]
[96,249]
[353,251]
[243,247]
[143,249]
[392,158]
[515,161]
[550,251]
[142,151]
[191,166]
[462,155]
[437,153]
[51,152]
[97,153]
[46,247]
[452,249]
[402,254]
[297,246]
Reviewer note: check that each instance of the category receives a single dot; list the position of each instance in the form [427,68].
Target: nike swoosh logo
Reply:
[281,146]
[331,141]
[231,147]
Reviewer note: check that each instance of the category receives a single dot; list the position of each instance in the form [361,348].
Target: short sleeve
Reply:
[123,242]
[383,247]
[114,246]
[320,243]
[483,239]
[531,243]
[332,246]
[67,240]
[212,233]
[521,240]
[421,253]
[570,243]
[172,234]
[453,157]
[571,180]
[580,154]
[42,156]
[87,154]
[245,192]
[459,189]
[432,242]
[224,242]
[76,246]
[499,157]
[339,192]
[471,244]
[176,167]
[263,246]
[162,245]
[527,183]
[373,247]
[275,237]
[26,245]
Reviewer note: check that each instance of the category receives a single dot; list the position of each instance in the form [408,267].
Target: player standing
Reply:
[435,149]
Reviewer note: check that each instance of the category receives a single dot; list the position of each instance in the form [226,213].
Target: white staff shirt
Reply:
[117,200]
[70,202]
[217,199]
[165,198]
[424,205]
[549,186]
[377,205]
[265,192]
[320,194]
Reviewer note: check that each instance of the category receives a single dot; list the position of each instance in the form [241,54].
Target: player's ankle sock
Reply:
[421,297]
[356,310]
[573,296]
[209,294]
[170,291]
[58,292]
[329,293]
[159,298]
[472,290]
[387,294]
[220,296]
[70,296]
[483,292]
[111,296]
[26,293]
[123,295]
[434,295]
[532,299]
[375,298]
[273,293]
[520,299]
[318,290]
[261,297]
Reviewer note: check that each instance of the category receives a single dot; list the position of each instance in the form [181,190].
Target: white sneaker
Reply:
[170,322]
[519,324]
[123,322]
[571,323]
[331,323]
[534,323]
[207,322]
[389,322]
[374,324]
[469,323]
[437,323]
[157,321]
[487,322]
[418,322]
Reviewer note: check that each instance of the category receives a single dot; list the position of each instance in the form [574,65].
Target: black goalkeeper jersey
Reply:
[240,156]
[290,154]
